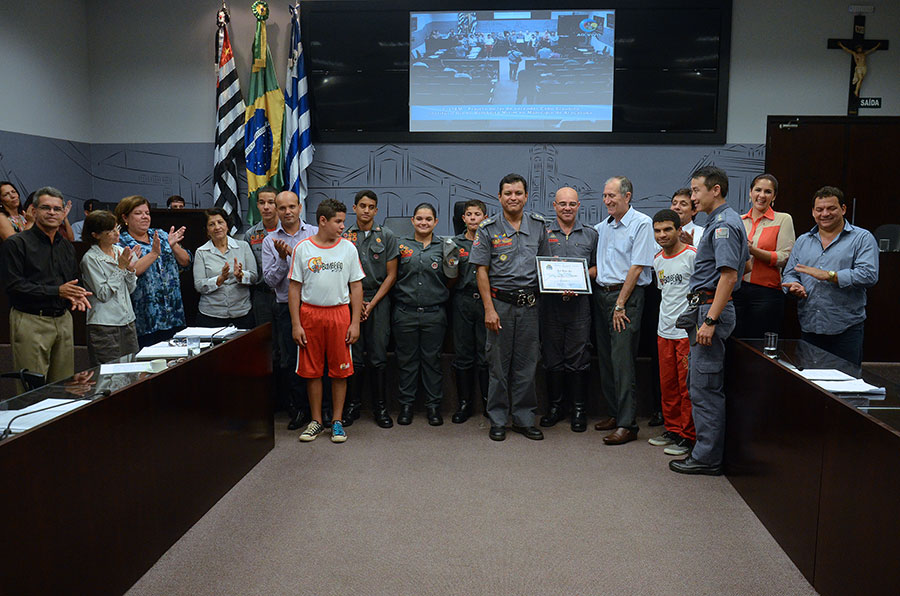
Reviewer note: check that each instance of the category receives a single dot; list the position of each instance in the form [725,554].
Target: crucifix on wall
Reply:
[859,48]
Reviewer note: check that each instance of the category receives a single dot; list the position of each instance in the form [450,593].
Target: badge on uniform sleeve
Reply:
[721,232]
[434,265]
[503,257]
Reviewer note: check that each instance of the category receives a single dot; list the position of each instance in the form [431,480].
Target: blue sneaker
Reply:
[337,432]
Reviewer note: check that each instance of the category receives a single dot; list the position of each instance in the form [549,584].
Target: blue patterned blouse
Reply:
[157,297]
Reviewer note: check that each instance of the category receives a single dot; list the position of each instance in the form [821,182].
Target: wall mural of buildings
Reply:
[402,176]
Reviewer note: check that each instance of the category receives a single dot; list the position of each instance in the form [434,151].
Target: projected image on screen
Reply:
[531,70]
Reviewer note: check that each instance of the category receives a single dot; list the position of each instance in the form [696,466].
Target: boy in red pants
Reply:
[673,266]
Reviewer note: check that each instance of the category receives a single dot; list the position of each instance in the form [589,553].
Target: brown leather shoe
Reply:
[607,423]
[620,436]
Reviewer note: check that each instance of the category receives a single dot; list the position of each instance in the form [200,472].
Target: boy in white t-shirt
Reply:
[325,276]
[673,266]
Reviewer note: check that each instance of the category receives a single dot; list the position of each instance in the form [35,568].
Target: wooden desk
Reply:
[93,498]
[822,475]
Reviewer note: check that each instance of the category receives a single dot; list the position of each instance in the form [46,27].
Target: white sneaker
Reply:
[313,430]
[680,447]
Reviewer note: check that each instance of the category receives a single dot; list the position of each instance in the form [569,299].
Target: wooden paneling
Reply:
[96,496]
[821,475]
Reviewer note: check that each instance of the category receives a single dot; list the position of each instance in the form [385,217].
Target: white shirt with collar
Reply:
[621,245]
[232,298]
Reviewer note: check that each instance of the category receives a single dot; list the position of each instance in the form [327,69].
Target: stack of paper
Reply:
[824,374]
[207,332]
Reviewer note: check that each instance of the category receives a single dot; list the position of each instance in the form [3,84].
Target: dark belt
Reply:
[515,297]
[411,308]
[608,289]
[701,297]
[42,312]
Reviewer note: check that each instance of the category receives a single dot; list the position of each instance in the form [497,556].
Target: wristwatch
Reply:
[619,308]
[710,321]
[832,275]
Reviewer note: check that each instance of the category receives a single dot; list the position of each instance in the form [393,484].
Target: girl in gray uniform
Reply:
[419,318]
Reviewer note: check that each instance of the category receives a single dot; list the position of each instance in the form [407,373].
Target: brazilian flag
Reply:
[263,119]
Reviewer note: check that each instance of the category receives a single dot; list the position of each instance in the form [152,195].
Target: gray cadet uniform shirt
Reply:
[375,250]
[254,236]
[420,274]
[466,282]
[581,243]
[510,253]
[723,244]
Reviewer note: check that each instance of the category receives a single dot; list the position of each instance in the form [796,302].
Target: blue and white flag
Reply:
[297,133]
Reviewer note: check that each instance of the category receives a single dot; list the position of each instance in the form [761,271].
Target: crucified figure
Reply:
[859,56]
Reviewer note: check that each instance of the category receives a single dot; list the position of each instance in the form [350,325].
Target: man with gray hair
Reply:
[40,275]
[625,251]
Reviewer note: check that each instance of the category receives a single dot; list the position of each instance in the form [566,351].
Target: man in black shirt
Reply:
[40,274]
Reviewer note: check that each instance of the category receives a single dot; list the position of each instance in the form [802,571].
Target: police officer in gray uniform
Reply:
[504,251]
[721,255]
[378,252]
[428,265]
[468,320]
[566,318]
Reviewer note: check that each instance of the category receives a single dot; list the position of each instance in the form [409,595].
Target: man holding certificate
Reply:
[566,316]
[625,251]
[504,251]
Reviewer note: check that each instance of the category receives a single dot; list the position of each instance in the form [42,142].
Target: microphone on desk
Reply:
[212,338]
[8,430]
[783,354]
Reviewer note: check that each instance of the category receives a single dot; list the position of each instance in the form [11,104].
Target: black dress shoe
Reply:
[656,419]
[405,416]
[689,465]
[497,433]
[554,415]
[530,432]
[300,420]
[383,418]
[434,417]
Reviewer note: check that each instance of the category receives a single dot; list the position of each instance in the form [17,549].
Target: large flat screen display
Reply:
[512,71]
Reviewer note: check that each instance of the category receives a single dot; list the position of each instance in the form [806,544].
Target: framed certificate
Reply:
[563,274]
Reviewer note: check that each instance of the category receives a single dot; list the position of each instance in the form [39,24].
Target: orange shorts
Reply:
[326,332]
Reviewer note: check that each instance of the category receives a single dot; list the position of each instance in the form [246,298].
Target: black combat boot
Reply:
[464,382]
[355,383]
[378,381]
[578,383]
[556,409]
[483,381]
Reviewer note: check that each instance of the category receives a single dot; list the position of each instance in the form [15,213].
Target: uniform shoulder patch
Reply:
[486,221]
[722,232]
[538,217]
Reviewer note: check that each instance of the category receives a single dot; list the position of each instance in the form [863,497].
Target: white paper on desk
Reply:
[25,422]
[854,386]
[125,367]
[162,351]
[824,374]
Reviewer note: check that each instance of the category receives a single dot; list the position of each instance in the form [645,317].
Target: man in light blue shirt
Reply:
[625,250]
[829,270]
